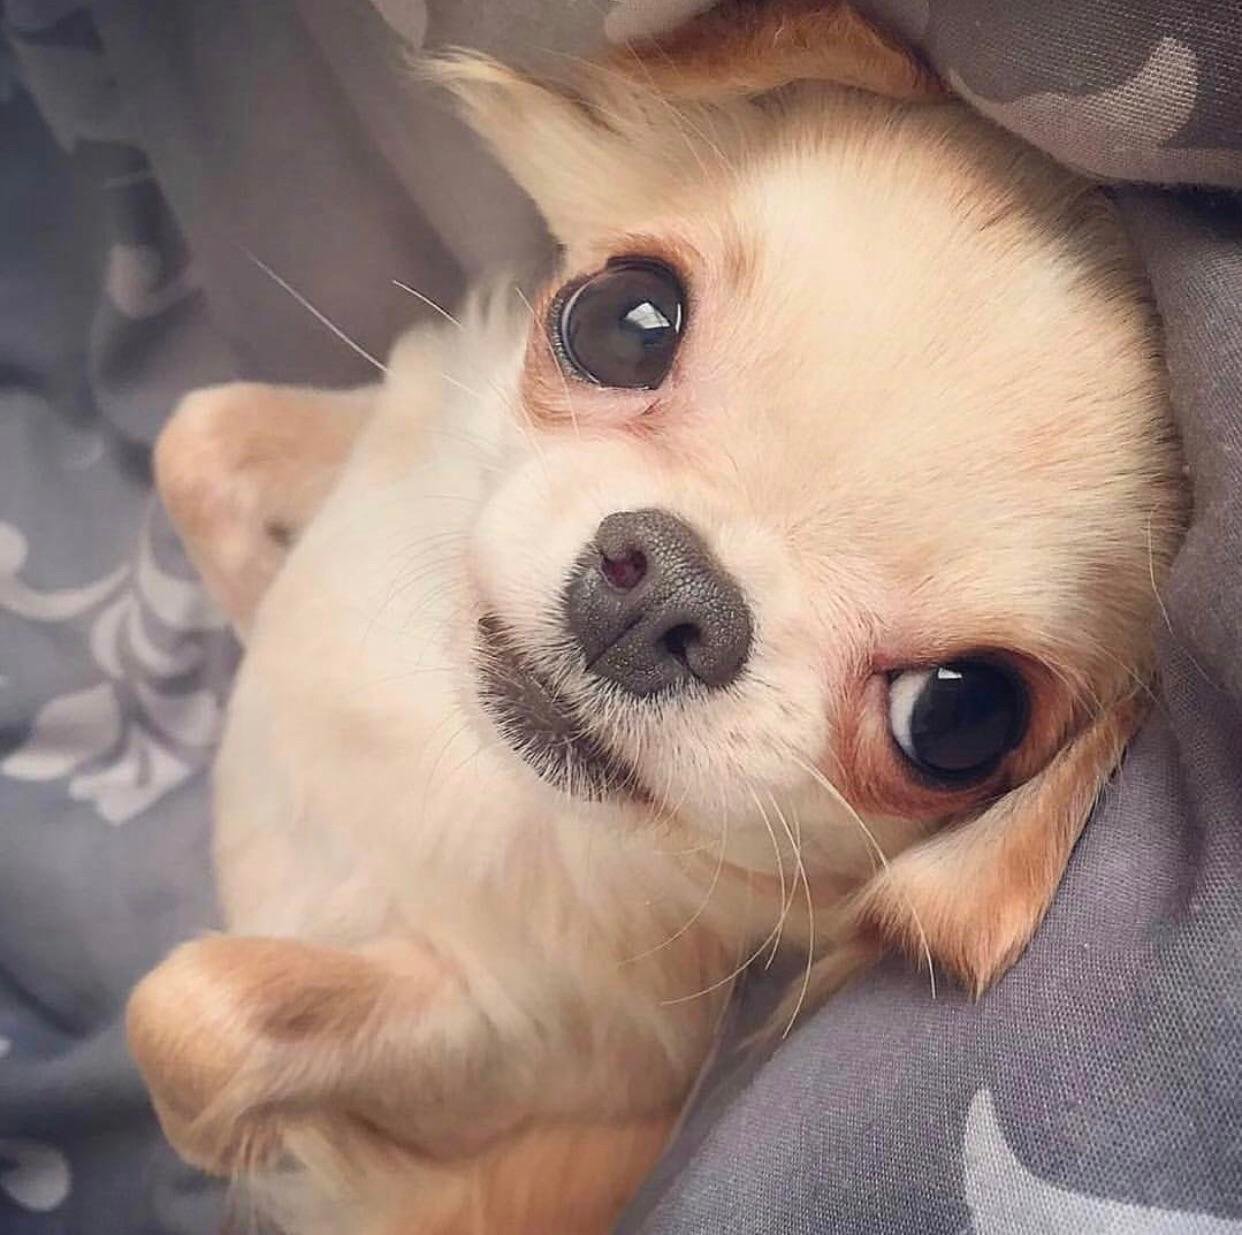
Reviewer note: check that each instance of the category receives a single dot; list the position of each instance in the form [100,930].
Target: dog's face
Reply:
[818,515]
[836,487]
[843,471]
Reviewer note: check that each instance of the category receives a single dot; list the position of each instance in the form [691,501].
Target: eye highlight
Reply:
[955,721]
[621,326]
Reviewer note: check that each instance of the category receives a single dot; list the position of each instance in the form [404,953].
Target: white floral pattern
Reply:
[125,741]
[1007,1198]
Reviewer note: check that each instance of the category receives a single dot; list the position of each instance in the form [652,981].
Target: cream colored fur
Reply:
[919,410]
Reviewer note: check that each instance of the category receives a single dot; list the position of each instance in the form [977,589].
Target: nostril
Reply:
[651,610]
[678,640]
[626,571]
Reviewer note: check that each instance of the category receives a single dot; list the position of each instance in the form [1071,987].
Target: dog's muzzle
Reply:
[653,611]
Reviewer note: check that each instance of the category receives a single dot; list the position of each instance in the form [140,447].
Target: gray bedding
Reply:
[147,150]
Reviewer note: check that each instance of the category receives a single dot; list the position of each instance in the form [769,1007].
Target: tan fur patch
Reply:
[974,895]
[749,46]
[241,468]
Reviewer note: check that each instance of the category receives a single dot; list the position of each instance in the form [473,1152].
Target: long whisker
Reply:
[459,385]
[742,966]
[522,416]
[840,798]
[810,918]
[729,977]
[317,314]
[786,899]
[569,402]
[431,304]
[1164,610]
[702,909]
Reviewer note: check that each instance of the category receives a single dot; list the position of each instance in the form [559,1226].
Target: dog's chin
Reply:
[542,727]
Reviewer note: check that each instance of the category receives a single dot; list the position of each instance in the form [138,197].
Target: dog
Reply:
[780,579]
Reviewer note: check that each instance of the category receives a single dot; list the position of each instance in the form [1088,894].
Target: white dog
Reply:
[782,577]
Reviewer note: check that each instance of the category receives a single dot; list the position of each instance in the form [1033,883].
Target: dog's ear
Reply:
[593,153]
[242,468]
[751,46]
[573,163]
[971,897]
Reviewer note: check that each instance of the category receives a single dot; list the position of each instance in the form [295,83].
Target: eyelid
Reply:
[552,330]
[564,297]
[1014,663]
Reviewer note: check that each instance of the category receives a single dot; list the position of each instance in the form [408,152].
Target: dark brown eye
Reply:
[621,326]
[955,721]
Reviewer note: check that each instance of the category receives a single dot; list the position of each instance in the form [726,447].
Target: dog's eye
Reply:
[955,721]
[621,326]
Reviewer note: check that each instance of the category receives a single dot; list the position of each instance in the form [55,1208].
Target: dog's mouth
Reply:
[541,725]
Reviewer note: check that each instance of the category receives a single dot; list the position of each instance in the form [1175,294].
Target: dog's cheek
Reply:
[777,720]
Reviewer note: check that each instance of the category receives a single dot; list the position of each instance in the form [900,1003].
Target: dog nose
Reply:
[652,609]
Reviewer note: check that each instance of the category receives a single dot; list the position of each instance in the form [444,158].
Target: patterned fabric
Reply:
[1145,90]
[112,665]
[150,153]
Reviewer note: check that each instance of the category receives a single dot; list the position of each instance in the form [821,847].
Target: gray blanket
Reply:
[146,151]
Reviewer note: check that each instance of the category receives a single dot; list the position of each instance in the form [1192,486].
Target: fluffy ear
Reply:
[973,895]
[590,154]
[242,468]
[570,161]
[750,46]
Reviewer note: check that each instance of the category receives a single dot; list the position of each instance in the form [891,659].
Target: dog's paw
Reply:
[242,468]
[192,1038]
[240,1039]
[232,1034]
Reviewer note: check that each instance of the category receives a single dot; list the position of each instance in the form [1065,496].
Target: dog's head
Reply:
[841,478]
[848,479]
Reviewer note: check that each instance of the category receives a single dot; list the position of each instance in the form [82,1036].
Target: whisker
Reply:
[679,118]
[741,967]
[840,798]
[810,916]
[431,304]
[317,314]
[1164,611]
[521,414]
[698,913]
[459,385]
[786,900]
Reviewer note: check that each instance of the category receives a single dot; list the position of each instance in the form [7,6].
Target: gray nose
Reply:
[652,609]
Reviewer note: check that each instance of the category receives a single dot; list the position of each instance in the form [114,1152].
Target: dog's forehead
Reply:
[917,367]
[921,355]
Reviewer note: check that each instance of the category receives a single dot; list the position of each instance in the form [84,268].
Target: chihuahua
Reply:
[779,579]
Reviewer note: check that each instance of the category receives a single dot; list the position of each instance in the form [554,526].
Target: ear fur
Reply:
[591,153]
[551,140]
[242,468]
[973,896]
[752,46]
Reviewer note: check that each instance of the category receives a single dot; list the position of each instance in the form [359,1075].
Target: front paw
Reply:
[240,1039]
[210,1030]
